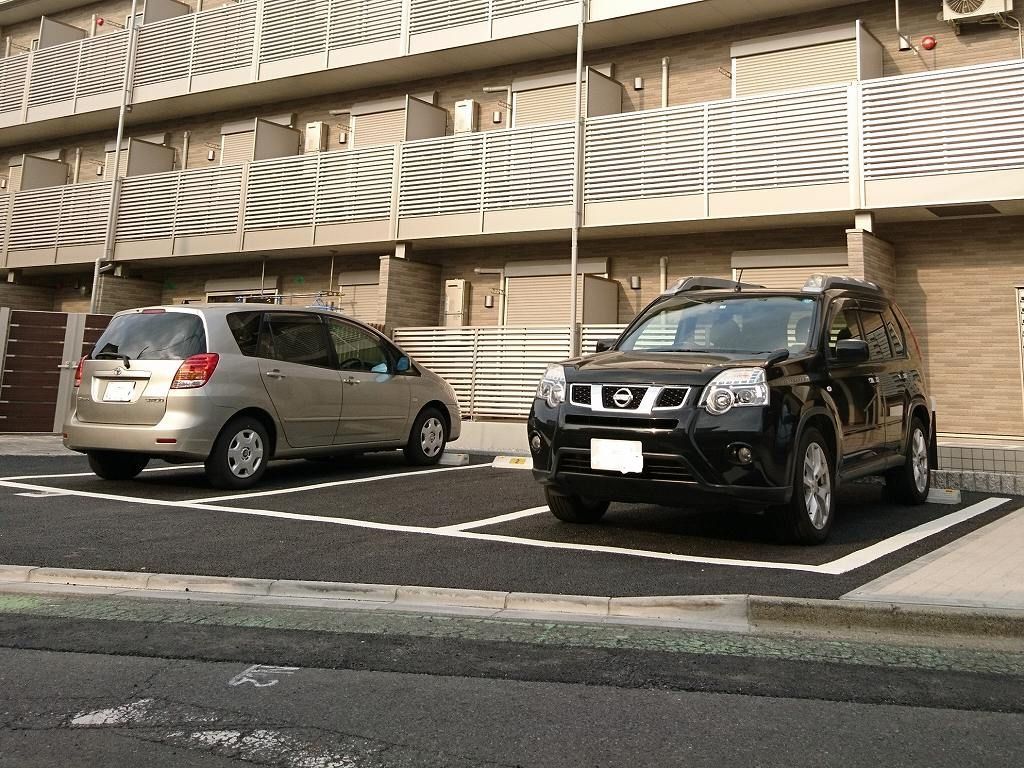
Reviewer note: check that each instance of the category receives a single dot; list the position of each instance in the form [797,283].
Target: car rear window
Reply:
[153,336]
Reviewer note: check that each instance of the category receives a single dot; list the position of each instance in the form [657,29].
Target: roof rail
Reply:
[822,283]
[708,284]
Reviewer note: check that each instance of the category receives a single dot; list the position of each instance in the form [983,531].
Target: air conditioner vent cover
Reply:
[964,6]
[966,10]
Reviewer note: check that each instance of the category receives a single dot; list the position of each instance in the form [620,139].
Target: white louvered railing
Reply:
[78,69]
[356,22]
[956,121]
[165,50]
[433,15]
[493,370]
[591,334]
[645,154]
[203,201]
[496,170]
[73,214]
[13,71]
[293,28]
[783,140]
[224,38]
[505,8]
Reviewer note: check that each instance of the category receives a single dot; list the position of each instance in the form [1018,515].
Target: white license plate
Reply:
[119,392]
[625,456]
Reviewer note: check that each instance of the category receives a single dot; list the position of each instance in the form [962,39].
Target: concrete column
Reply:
[410,292]
[29,297]
[871,258]
[117,293]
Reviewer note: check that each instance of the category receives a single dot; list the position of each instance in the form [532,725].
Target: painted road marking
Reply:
[836,567]
[261,676]
[495,520]
[175,468]
[42,495]
[331,484]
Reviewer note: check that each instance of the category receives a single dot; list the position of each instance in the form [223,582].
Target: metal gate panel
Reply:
[31,377]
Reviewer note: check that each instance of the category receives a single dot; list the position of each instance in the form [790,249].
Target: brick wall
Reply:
[871,258]
[410,291]
[117,293]
[32,297]
[956,281]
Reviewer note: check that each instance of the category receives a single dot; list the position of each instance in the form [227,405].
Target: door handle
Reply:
[351,382]
[275,374]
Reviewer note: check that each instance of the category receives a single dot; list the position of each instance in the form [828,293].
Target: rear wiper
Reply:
[114,356]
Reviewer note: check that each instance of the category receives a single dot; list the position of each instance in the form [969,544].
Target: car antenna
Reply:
[739,280]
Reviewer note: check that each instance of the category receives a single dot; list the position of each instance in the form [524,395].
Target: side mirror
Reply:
[852,351]
[603,345]
[403,364]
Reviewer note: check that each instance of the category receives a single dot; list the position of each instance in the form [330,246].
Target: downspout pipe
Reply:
[664,82]
[577,190]
[115,190]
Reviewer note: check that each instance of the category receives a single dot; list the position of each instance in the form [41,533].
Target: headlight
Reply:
[736,388]
[552,386]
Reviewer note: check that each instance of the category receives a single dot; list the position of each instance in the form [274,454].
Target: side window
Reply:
[295,338]
[356,349]
[896,336]
[876,335]
[245,327]
[844,326]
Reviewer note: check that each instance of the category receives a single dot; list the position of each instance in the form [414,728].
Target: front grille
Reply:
[655,468]
[608,397]
[619,422]
[580,394]
[672,398]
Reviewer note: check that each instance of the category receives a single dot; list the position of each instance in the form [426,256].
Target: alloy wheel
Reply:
[817,486]
[245,453]
[432,437]
[919,460]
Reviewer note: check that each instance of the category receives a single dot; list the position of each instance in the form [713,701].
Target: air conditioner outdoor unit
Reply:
[966,10]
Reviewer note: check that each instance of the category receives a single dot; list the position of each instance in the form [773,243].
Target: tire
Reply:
[807,519]
[575,509]
[113,465]
[240,455]
[428,438]
[909,484]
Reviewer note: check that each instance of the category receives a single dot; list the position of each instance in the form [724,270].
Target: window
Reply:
[844,326]
[294,338]
[896,337]
[356,349]
[876,335]
[153,336]
[245,327]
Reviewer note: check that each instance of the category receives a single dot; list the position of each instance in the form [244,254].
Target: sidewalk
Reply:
[32,445]
[984,569]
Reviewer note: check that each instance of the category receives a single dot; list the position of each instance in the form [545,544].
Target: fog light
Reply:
[535,443]
[744,455]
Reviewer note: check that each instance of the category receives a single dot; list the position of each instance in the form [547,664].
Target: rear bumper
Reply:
[184,434]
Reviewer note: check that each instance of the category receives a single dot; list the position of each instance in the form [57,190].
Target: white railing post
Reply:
[473,374]
[853,133]
[28,86]
[257,40]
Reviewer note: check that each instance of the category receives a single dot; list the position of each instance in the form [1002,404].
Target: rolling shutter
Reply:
[237,148]
[540,300]
[360,301]
[122,165]
[782,277]
[545,105]
[378,128]
[794,68]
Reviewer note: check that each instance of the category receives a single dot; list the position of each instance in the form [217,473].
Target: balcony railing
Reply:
[843,149]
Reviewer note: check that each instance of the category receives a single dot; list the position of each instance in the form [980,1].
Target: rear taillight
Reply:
[195,371]
[78,371]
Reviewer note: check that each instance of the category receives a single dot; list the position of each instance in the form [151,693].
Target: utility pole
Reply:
[577,188]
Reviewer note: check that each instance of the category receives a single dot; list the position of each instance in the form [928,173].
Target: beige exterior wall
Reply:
[39,298]
[871,258]
[117,293]
[410,292]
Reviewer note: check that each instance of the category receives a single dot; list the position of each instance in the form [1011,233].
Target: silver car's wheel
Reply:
[817,486]
[245,453]
[432,437]
[919,457]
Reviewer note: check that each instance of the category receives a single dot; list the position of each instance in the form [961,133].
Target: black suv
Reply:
[772,397]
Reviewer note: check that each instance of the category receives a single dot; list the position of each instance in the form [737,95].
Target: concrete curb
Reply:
[743,613]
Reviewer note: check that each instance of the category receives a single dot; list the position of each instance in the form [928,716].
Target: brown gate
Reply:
[39,352]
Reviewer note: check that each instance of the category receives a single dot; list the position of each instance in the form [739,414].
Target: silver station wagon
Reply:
[238,385]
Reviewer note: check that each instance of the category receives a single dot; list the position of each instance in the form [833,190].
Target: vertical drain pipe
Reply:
[115,188]
[664,82]
[577,188]
[185,143]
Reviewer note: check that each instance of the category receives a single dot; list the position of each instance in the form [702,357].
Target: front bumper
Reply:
[688,457]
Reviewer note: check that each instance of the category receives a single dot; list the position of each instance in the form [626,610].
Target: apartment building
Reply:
[414,162]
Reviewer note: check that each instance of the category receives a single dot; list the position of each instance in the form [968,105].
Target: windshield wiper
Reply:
[114,356]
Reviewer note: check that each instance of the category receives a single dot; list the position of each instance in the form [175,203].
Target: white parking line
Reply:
[834,568]
[495,520]
[333,484]
[175,468]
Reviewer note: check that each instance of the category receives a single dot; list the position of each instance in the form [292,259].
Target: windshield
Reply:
[158,336]
[740,324]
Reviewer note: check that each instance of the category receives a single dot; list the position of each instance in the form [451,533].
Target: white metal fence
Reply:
[59,216]
[953,121]
[495,170]
[78,69]
[203,201]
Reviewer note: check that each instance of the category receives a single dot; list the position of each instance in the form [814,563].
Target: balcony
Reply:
[803,155]
[252,42]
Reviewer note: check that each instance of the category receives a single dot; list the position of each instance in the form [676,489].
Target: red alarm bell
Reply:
[929,43]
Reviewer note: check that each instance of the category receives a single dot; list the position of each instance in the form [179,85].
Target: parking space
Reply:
[374,519]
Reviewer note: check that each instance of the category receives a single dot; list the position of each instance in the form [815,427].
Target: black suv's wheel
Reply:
[910,483]
[807,519]
[112,465]
[239,456]
[574,509]
[427,439]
